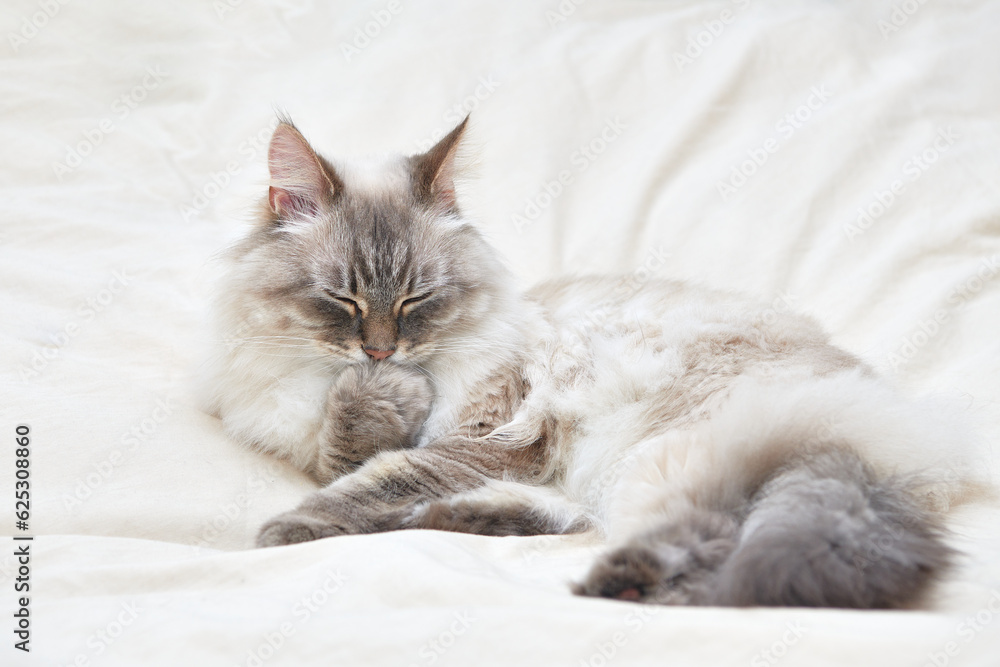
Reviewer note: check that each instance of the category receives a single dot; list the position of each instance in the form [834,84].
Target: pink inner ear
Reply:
[279,199]
[300,183]
[283,201]
[444,194]
[443,187]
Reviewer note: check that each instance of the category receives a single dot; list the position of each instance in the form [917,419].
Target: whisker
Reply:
[426,372]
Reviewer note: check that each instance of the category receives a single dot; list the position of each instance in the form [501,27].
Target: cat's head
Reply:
[364,262]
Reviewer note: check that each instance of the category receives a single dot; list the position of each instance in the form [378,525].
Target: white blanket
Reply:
[841,159]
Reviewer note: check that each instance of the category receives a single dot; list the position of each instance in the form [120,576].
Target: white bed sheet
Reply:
[838,158]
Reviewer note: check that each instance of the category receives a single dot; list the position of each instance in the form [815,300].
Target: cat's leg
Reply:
[381,495]
[371,408]
[827,532]
[501,507]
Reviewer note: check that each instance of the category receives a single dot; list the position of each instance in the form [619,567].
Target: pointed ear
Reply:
[299,182]
[434,171]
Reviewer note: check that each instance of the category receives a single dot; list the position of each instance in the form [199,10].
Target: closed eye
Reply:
[350,303]
[408,304]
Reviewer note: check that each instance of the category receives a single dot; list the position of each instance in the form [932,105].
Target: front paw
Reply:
[371,408]
[295,527]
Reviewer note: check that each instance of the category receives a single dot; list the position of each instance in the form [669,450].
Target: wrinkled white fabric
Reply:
[836,158]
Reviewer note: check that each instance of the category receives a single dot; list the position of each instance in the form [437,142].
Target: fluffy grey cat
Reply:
[729,454]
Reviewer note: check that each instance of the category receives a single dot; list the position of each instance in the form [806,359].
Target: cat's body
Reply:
[729,451]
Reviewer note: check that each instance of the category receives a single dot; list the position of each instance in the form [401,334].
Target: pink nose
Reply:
[379,355]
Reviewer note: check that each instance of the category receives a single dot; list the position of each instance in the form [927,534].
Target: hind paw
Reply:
[631,573]
[674,564]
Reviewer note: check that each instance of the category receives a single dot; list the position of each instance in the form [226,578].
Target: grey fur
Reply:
[824,532]
[482,517]
[414,281]
[388,491]
[372,408]
[827,533]
[674,564]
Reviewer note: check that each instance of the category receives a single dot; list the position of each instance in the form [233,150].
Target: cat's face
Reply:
[367,264]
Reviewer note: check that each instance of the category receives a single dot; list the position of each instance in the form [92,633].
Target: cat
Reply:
[729,454]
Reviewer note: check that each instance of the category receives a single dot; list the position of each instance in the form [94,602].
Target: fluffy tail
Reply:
[819,492]
[827,533]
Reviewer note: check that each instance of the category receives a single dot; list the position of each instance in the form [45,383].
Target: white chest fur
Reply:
[275,404]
